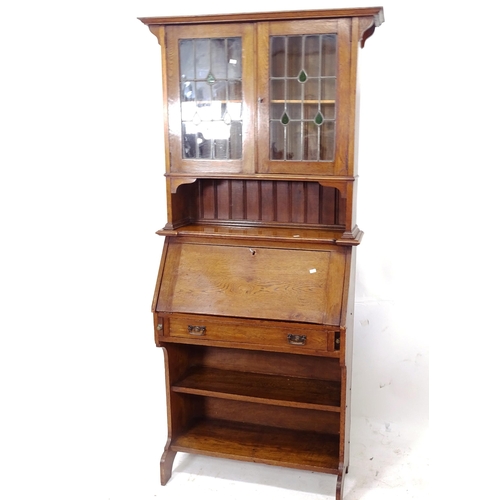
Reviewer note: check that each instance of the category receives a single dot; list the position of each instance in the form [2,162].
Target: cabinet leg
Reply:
[166,464]
[340,487]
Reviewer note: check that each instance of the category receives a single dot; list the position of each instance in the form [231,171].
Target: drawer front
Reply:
[210,329]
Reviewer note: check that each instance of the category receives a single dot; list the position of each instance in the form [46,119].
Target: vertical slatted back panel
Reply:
[268,201]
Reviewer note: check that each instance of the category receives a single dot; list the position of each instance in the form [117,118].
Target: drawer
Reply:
[208,329]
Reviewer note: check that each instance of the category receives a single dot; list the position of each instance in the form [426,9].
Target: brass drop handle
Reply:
[199,331]
[159,326]
[297,339]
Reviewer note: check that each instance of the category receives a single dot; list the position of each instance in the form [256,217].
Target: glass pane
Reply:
[276,111]
[234,90]
[311,151]
[294,111]
[311,90]
[188,110]
[328,55]
[211,99]
[278,56]
[234,58]
[234,109]
[189,141]
[294,61]
[202,58]
[187,91]
[186,56]
[294,141]
[235,141]
[311,56]
[302,90]
[208,112]
[203,91]
[204,146]
[328,111]
[277,90]
[328,89]
[219,91]
[220,149]
[327,140]
[277,133]
[295,90]
[219,62]
[310,111]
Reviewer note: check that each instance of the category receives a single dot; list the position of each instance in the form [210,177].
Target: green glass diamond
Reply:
[210,79]
[285,119]
[302,76]
[318,119]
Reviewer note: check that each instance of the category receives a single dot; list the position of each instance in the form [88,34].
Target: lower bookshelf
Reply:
[274,408]
[261,444]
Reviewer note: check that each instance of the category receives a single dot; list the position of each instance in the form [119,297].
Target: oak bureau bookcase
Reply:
[253,306]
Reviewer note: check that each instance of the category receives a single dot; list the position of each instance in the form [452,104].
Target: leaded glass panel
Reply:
[211,98]
[302,97]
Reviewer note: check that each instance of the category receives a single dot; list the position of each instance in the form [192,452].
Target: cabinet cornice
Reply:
[376,14]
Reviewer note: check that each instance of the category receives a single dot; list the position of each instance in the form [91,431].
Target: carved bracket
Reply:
[179,181]
[367,26]
[157,31]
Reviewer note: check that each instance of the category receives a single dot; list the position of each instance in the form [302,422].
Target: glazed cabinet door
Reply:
[304,97]
[211,98]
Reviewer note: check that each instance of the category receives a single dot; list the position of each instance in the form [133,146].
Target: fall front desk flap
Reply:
[261,283]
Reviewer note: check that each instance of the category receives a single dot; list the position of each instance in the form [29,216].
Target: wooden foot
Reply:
[166,463]
[340,487]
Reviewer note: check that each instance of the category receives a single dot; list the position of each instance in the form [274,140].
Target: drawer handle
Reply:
[199,331]
[297,339]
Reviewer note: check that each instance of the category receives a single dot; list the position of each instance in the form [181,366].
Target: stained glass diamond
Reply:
[285,119]
[319,118]
[210,79]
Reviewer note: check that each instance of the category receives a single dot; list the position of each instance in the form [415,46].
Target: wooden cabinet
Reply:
[253,305]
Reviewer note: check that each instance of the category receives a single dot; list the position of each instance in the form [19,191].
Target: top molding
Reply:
[376,13]
[369,18]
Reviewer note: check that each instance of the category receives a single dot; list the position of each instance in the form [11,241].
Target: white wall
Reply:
[82,194]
